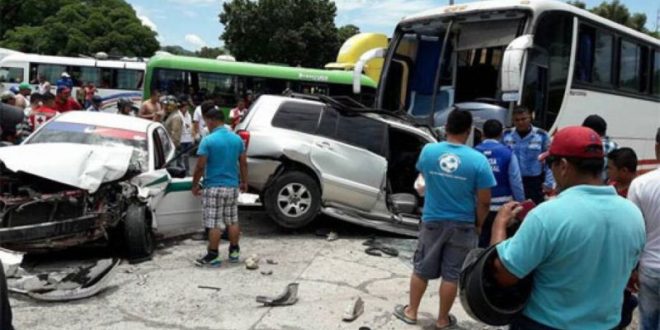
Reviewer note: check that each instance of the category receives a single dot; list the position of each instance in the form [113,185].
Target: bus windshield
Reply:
[470,68]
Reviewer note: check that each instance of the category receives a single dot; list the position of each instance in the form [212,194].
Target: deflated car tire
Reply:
[293,200]
[137,232]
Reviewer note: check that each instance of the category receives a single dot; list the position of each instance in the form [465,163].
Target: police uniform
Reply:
[506,170]
[534,173]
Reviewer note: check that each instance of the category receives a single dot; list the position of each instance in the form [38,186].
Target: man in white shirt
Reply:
[645,193]
[187,139]
[199,125]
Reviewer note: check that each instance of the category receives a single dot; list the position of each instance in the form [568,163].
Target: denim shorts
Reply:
[442,247]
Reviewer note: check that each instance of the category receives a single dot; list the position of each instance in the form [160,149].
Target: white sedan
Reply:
[84,176]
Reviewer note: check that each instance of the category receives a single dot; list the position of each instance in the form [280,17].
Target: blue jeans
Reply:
[649,299]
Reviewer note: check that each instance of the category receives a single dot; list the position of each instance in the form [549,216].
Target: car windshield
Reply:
[65,132]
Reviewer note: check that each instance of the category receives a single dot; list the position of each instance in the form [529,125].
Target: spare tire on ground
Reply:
[481,296]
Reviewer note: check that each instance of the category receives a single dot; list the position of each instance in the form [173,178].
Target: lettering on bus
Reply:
[312,77]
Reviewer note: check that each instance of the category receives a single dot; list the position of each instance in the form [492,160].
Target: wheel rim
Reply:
[294,200]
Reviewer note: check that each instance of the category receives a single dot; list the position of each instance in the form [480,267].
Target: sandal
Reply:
[400,313]
[452,323]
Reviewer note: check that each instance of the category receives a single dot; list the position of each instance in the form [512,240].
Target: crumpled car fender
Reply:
[151,184]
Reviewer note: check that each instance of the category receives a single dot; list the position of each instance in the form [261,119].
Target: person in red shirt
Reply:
[64,102]
[621,169]
[41,114]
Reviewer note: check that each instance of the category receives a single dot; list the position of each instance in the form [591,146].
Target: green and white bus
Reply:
[227,81]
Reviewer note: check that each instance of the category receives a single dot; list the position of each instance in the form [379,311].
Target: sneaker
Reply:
[209,261]
[234,256]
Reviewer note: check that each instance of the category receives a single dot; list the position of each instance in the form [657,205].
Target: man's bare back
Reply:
[150,110]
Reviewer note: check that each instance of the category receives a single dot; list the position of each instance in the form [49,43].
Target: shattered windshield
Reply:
[64,132]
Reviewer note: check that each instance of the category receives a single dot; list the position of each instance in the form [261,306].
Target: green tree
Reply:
[73,27]
[619,13]
[347,31]
[210,52]
[177,50]
[295,32]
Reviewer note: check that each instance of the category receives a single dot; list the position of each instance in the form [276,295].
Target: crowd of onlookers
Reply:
[181,115]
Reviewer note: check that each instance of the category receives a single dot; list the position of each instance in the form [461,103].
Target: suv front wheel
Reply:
[293,200]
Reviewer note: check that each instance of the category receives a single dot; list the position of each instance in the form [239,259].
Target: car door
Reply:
[348,152]
[176,211]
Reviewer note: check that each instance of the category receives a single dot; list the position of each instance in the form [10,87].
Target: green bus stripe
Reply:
[179,186]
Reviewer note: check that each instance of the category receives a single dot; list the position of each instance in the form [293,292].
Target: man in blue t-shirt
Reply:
[580,248]
[457,198]
[220,154]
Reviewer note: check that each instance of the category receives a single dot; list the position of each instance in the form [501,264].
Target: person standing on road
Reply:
[599,125]
[24,90]
[89,92]
[151,108]
[504,165]
[527,143]
[199,125]
[457,198]
[221,159]
[186,141]
[621,169]
[64,102]
[644,191]
[237,114]
[580,248]
[40,115]
[44,85]
[64,81]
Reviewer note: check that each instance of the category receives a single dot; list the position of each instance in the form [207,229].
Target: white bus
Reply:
[113,79]
[563,62]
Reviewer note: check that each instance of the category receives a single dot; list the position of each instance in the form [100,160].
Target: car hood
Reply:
[78,165]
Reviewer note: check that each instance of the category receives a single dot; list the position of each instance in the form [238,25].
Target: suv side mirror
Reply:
[513,64]
[177,172]
[359,66]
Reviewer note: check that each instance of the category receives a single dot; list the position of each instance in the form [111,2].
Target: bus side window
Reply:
[655,74]
[106,78]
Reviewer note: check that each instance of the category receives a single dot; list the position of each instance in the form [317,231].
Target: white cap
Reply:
[64,74]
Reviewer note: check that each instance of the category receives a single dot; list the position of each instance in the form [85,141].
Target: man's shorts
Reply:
[442,247]
[219,207]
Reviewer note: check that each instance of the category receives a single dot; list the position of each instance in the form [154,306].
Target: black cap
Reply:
[596,123]
[183,98]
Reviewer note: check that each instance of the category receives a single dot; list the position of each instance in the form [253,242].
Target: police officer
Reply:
[504,164]
[527,143]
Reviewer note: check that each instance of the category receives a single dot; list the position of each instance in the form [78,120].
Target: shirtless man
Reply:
[150,108]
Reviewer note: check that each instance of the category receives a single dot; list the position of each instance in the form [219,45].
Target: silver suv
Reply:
[307,157]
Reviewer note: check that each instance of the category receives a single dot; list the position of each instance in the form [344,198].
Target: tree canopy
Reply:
[295,32]
[73,27]
[619,13]
[347,31]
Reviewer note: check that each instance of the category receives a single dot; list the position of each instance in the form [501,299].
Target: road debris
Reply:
[209,287]
[375,248]
[11,261]
[353,310]
[252,262]
[267,272]
[288,297]
[271,261]
[70,284]
[332,236]
[142,279]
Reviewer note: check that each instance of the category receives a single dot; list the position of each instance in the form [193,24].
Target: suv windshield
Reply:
[65,132]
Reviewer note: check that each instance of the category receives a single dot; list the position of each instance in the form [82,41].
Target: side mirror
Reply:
[359,66]
[513,64]
[177,172]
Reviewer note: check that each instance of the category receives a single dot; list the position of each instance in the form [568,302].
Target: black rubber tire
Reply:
[283,219]
[138,236]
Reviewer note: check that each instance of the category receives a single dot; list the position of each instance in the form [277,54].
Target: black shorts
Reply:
[442,247]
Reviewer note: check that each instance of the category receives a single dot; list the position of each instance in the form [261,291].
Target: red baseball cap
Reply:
[575,141]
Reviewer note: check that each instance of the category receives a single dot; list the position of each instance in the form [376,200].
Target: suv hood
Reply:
[79,165]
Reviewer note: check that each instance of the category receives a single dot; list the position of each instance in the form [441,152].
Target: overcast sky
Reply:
[194,23]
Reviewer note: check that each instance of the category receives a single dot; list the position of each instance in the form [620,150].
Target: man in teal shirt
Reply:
[580,248]
[220,154]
